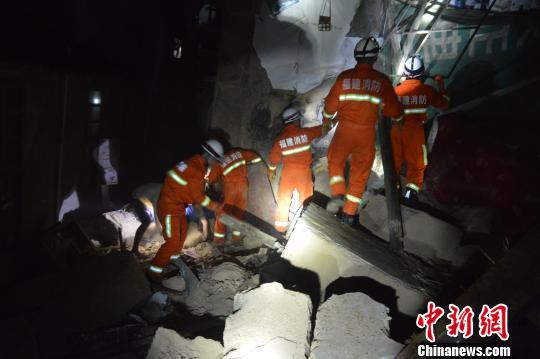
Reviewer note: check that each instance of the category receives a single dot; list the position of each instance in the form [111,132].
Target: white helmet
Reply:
[290,115]
[414,67]
[214,149]
[366,47]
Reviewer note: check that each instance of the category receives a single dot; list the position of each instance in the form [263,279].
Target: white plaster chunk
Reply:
[268,322]
[168,344]
[352,326]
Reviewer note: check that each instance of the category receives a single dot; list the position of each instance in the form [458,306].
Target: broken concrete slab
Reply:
[254,237]
[216,290]
[425,235]
[320,243]
[351,326]
[168,344]
[156,308]
[268,322]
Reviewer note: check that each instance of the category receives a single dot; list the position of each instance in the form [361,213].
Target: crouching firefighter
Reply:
[184,184]
[292,147]
[232,171]
[356,99]
[408,140]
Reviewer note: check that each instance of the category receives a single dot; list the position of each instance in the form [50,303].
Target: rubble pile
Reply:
[168,344]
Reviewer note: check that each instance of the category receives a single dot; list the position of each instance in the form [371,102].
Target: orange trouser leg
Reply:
[396,135]
[363,154]
[415,152]
[174,222]
[291,179]
[235,203]
[339,150]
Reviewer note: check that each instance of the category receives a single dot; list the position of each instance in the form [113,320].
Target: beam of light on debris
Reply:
[70,203]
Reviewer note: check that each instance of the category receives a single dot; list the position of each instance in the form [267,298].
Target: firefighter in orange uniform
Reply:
[293,148]
[356,99]
[233,172]
[408,140]
[184,184]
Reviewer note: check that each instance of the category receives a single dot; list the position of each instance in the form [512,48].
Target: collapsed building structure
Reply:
[325,288]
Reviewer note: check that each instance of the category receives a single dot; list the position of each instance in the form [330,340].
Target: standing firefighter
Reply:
[356,99]
[293,148]
[408,141]
[184,185]
[233,172]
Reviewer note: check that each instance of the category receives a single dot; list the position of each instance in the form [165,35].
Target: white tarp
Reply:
[295,54]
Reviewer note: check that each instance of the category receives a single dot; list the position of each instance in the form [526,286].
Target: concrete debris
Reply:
[194,235]
[216,290]
[254,260]
[176,283]
[332,250]
[268,322]
[168,344]
[254,237]
[475,219]
[425,236]
[156,308]
[352,326]
[202,252]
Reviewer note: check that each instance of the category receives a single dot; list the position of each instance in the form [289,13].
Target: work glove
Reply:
[326,127]
[271,174]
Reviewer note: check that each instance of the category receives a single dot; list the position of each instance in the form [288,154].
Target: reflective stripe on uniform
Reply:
[256,160]
[296,150]
[424,150]
[272,167]
[236,233]
[352,198]
[219,235]
[336,179]
[233,166]
[330,116]
[281,223]
[413,186]
[446,97]
[177,178]
[414,110]
[206,201]
[156,269]
[360,98]
[175,256]
[168,225]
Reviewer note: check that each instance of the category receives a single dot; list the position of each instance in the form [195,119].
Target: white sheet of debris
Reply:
[268,322]
[217,288]
[168,344]
[352,326]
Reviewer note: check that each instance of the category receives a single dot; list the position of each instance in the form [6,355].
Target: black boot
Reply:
[347,219]
[411,196]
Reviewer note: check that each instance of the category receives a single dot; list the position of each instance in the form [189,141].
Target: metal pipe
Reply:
[395,225]
[60,154]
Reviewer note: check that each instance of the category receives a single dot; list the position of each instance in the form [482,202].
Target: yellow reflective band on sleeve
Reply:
[360,98]
[330,116]
[352,198]
[177,178]
[168,225]
[413,186]
[219,235]
[296,150]
[233,166]
[281,223]
[156,269]
[273,168]
[206,201]
[256,160]
[336,179]
[414,110]
[446,97]
[424,150]
[175,256]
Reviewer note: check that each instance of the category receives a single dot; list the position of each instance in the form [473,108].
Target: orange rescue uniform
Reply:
[293,148]
[356,98]
[233,172]
[184,184]
[408,140]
